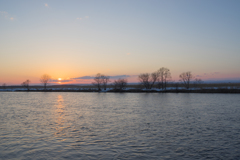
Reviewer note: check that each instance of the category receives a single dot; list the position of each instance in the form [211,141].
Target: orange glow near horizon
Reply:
[71,78]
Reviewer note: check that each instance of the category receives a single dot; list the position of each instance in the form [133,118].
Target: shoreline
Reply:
[235,91]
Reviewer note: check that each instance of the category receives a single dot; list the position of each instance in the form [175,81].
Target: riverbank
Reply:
[192,90]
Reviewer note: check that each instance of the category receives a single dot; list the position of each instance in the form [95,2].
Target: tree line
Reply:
[159,78]
[101,81]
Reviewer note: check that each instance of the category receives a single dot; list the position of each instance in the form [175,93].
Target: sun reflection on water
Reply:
[60,118]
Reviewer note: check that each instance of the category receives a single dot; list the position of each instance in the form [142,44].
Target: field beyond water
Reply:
[200,88]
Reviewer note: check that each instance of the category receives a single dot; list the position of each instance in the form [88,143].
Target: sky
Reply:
[76,39]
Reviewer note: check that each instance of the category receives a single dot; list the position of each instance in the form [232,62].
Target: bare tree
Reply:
[98,81]
[144,79]
[164,77]
[120,83]
[105,80]
[101,80]
[26,84]
[148,80]
[154,78]
[45,79]
[186,77]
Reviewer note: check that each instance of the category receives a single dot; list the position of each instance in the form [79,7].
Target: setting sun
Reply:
[59,79]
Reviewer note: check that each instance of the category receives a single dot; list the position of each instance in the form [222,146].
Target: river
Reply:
[71,125]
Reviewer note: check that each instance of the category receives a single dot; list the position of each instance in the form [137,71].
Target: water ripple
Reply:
[119,126]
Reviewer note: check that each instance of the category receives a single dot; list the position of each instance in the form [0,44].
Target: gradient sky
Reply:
[79,38]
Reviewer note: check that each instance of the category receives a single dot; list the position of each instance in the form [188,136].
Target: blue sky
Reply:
[69,39]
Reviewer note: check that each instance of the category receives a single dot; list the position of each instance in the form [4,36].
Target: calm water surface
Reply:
[119,126]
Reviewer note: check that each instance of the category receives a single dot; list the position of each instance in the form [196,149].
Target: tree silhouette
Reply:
[105,80]
[186,77]
[144,79]
[148,80]
[120,83]
[26,84]
[45,79]
[101,80]
[164,77]
[98,81]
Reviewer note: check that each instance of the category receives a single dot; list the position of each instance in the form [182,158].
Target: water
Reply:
[119,126]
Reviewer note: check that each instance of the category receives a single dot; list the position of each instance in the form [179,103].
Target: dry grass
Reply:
[204,85]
